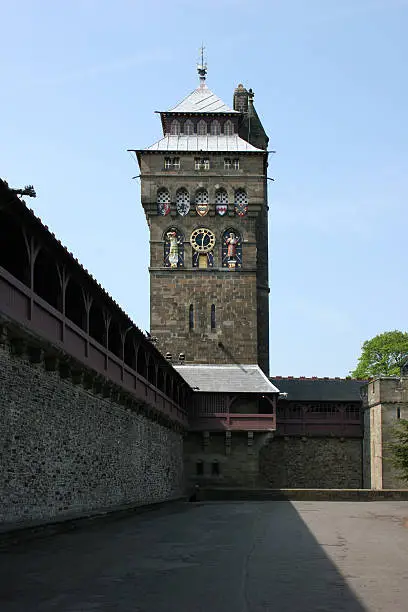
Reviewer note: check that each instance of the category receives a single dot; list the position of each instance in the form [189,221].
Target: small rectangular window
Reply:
[199,468]
[167,163]
[176,163]
[227,164]
[215,468]
[197,163]
[236,164]
[206,164]
[398,413]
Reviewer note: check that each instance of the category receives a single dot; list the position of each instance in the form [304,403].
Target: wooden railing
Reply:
[20,304]
[229,421]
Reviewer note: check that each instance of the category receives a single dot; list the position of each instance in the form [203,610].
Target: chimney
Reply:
[241,99]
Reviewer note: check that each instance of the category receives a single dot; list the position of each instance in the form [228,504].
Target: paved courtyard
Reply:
[218,557]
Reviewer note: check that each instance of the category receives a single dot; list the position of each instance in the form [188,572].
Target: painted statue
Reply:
[231,242]
[174,242]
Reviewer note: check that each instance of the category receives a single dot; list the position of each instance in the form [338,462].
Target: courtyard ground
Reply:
[219,557]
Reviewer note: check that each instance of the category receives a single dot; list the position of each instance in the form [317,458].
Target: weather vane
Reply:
[202,68]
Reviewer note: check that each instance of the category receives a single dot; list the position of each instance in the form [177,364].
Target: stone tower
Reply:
[204,192]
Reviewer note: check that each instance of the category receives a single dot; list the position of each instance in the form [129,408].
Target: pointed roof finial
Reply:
[202,68]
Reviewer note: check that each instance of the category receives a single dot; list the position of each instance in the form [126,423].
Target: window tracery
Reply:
[188,128]
[202,128]
[228,128]
[241,202]
[175,127]
[182,201]
[221,201]
[215,128]
[163,201]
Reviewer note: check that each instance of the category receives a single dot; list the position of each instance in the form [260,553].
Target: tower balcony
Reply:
[230,421]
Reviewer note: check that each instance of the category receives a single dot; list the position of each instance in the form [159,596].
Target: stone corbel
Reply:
[35,354]
[227,442]
[18,346]
[50,363]
[206,440]
[250,442]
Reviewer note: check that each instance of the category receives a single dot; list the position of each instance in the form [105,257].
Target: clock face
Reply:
[202,240]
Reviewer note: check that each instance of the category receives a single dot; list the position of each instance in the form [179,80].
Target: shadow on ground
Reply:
[207,556]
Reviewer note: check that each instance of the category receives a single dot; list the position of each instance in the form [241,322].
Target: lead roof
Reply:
[320,389]
[209,142]
[202,100]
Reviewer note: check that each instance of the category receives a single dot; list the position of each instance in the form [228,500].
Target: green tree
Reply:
[382,355]
[399,448]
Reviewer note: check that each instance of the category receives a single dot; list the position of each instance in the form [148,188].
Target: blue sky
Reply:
[82,79]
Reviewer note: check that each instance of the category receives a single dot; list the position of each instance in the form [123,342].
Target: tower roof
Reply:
[220,143]
[202,100]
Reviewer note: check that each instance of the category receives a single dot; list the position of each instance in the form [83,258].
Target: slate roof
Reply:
[320,389]
[226,378]
[202,100]
[203,143]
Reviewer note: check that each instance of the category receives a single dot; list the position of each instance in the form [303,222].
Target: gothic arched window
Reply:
[221,201]
[215,128]
[231,249]
[201,196]
[228,128]
[202,128]
[175,127]
[241,202]
[173,248]
[163,201]
[188,127]
[182,201]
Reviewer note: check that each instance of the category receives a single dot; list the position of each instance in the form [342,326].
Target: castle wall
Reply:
[67,452]
[385,402]
[238,460]
[312,463]
[274,462]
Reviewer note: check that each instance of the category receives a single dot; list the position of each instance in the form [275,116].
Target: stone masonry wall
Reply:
[66,452]
[312,463]
[238,461]
[234,297]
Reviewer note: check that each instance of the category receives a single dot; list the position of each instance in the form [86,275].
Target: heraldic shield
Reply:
[202,209]
[202,202]
[221,209]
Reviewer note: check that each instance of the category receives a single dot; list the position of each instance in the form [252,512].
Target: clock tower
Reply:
[204,192]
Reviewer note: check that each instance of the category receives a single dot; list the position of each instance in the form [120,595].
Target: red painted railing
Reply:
[229,421]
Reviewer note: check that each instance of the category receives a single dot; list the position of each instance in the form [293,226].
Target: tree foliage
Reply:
[382,355]
[399,448]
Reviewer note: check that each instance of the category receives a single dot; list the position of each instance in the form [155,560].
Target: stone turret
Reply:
[385,401]
[251,128]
